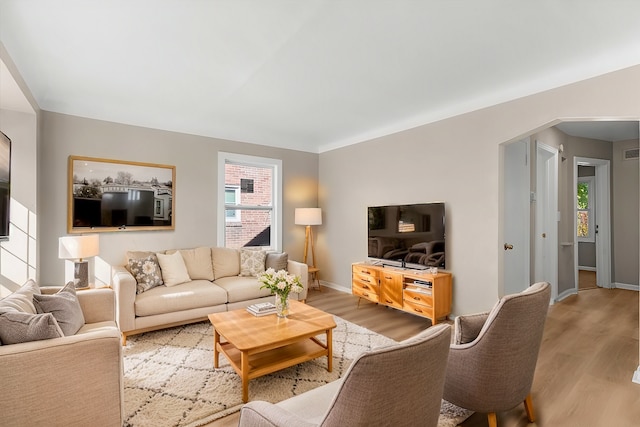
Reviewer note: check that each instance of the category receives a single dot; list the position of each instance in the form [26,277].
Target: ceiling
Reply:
[307,75]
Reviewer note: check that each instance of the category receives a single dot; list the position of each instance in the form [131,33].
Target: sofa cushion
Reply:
[252,262]
[241,288]
[198,262]
[226,262]
[185,296]
[145,269]
[277,260]
[174,270]
[64,306]
[17,327]
[21,300]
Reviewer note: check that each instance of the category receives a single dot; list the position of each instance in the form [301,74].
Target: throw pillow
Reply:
[252,262]
[21,300]
[174,270]
[226,262]
[198,262]
[16,327]
[146,271]
[277,261]
[64,306]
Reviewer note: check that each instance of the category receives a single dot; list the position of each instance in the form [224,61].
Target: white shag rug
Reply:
[169,377]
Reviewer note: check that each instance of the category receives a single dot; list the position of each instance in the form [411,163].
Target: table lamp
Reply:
[79,248]
[308,217]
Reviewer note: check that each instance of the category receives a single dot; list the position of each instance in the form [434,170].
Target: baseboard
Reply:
[566,294]
[586,268]
[333,286]
[626,286]
[636,376]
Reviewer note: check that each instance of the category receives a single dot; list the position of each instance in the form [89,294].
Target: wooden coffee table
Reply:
[257,346]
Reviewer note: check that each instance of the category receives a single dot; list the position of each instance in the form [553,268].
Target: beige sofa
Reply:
[74,380]
[216,283]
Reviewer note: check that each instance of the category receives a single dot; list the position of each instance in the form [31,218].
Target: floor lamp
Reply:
[308,217]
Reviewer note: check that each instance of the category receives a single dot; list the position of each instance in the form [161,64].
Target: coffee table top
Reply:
[246,331]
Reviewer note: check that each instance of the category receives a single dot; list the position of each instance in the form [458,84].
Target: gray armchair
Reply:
[396,385]
[492,362]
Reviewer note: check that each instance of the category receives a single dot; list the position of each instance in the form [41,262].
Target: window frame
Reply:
[590,181]
[276,202]
[236,217]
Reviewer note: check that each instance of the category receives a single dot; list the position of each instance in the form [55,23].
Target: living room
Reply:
[452,158]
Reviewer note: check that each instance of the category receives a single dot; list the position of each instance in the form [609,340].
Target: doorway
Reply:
[600,223]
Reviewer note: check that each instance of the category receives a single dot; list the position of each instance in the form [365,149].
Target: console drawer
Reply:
[419,309]
[418,297]
[368,292]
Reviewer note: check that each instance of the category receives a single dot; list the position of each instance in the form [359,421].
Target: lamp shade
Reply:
[308,216]
[78,247]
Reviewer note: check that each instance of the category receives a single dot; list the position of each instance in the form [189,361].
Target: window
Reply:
[231,197]
[584,209]
[251,188]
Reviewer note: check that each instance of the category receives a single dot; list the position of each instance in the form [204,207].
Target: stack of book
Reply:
[262,309]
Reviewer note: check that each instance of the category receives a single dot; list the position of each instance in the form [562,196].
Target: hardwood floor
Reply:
[583,377]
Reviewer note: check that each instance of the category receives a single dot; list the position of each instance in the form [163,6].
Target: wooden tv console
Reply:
[405,289]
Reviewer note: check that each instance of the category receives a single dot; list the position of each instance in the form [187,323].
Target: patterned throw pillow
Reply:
[146,272]
[252,262]
[64,306]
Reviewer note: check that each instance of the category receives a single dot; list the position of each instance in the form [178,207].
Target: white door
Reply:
[546,228]
[516,217]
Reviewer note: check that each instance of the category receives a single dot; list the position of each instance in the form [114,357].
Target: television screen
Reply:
[412,235]
[5,185]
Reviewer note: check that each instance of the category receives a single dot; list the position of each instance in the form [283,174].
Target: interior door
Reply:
[516,217]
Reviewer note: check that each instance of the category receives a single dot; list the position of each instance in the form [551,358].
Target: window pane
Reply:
[583,195]
[583,224]
[253,230]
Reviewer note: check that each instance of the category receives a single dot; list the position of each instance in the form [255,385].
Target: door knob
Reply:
[507,246]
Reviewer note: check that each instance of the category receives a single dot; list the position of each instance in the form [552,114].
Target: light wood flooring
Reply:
[588,356]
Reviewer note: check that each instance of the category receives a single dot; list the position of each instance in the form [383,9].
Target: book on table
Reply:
[263,306]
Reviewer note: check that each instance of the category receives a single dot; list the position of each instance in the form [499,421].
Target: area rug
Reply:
[170,381]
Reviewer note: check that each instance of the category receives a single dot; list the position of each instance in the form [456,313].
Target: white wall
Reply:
[195,191]
[456,161]
[626,183]
[18,254]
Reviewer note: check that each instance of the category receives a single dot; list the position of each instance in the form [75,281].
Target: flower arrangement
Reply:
[281,284]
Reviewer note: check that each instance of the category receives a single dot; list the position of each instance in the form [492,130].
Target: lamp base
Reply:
[81,274]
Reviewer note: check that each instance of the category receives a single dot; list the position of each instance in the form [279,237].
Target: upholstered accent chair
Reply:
[493,360]
[396,385]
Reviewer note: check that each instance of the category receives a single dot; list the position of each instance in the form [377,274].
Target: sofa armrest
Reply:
[124,285]
[98,305]
[302,270]
[74,380]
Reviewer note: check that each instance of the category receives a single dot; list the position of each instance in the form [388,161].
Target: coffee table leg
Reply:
[244,360]
[216,353]
[329,350]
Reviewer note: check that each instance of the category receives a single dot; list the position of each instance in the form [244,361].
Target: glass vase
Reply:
[282,305]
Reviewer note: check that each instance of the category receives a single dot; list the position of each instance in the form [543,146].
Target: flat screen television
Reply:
[5,185]
[411,235]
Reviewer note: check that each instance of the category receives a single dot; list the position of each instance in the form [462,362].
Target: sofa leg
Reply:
[528,407]
[493,422]
[124,339]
